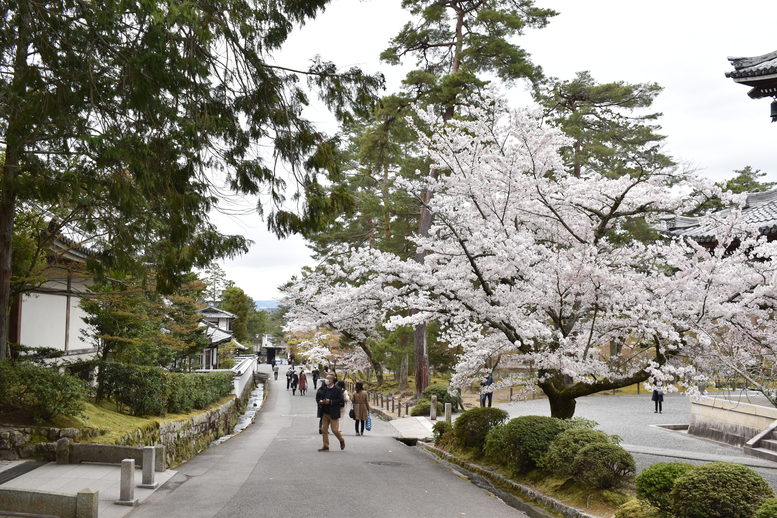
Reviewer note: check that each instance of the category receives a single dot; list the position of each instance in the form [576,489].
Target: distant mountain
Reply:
[268,305]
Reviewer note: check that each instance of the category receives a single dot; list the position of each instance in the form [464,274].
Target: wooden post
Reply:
[511,393]
[407,409]
[392,403]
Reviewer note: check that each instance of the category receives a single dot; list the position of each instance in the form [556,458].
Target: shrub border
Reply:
[532,496]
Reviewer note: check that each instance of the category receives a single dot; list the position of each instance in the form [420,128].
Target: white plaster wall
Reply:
[43,321]
[76,339]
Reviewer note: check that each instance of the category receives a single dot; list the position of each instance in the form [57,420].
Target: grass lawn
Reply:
[104,417]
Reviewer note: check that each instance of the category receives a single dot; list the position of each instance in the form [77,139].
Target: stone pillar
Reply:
[448,418]
[160,461]
[433,409]
[63,450]
[86,503]
[148,468]
[127,490]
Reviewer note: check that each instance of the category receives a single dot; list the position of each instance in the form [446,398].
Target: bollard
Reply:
[381,401]
[407,409]
[86,503]
[127,490]
[448,409]
[399,409]
[433,409]
[149,461]
[392,403]
[511,393]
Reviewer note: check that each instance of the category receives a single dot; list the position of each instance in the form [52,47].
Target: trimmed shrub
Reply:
[472,426]
[441,429]
[637,509]
[768,509]
[522,443]
[441,391]
[40,392]
[603,465]
[655,483]
[152,391]
[719,490]
[565,447]
[424,407]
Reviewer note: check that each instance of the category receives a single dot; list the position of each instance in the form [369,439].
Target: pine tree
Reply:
[119,110]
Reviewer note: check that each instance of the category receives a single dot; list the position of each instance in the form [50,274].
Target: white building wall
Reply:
[43,321]
[44,317]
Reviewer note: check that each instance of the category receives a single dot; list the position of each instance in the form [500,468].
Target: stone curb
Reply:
[532,496]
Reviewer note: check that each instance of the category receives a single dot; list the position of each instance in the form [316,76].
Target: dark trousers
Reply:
[659,406]
[486,396]
[288,382]
[359,425]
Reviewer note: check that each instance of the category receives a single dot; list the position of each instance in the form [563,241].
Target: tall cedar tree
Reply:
[454,44]
[116,111]
[235,300]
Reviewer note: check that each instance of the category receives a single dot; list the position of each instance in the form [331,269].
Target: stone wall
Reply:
[25,441]
[183,439]
[729,421]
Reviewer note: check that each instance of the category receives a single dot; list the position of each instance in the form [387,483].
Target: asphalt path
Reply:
[273,469]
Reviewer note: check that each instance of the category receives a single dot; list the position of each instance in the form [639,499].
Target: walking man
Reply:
[330,401]
[314,373]
[288,377]
[486,390]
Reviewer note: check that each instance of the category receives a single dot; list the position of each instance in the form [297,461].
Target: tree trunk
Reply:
[403,373]
[562,407]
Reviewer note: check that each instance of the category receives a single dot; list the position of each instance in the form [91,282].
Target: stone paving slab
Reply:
[419,428]
[682,454]
[71,478]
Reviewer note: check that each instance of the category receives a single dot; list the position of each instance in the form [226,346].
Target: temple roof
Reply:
[760,72]
[760,209]
[212,312]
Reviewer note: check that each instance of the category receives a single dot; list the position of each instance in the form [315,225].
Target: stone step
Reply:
[18,470]
[769,444]
[761,453]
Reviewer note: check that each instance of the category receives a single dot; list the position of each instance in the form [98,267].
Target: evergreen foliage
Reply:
[603,465]
[654,484]
[523,442]
[768,509]
[116,113]
[719,490]
[39,392]
[472,426]
[565,447]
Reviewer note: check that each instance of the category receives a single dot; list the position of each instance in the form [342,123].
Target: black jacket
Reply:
[335,395]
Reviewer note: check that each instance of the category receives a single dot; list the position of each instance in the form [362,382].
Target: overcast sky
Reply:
[709,121]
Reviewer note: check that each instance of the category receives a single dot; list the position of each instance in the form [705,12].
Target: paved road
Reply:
[633,419]
[273,470]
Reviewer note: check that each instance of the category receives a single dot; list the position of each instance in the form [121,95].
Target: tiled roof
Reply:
[212,312]
[754,66]
[217,335]
[760,209]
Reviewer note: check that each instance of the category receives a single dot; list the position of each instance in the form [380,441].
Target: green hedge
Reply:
[638,509]
[603,465]
[443,396]
[472,426]
[523,442]
[424,407]
[719,490]
[768,509]
[655,483]
[39,392]
[565,447]
[153,391]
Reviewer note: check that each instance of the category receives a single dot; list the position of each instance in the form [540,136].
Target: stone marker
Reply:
[433,409]
[63,450]
[448,413]
[127,490]
[86,503]
[149,453]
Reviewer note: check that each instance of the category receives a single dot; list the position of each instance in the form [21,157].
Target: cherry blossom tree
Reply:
[526,259]
[326,298]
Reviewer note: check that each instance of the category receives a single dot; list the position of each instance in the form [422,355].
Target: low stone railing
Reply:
[45,503]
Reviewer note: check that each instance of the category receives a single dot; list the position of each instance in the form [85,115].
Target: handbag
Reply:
[352,414]
[368,424]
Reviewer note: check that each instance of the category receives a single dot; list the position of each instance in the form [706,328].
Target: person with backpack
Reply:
[294,383]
